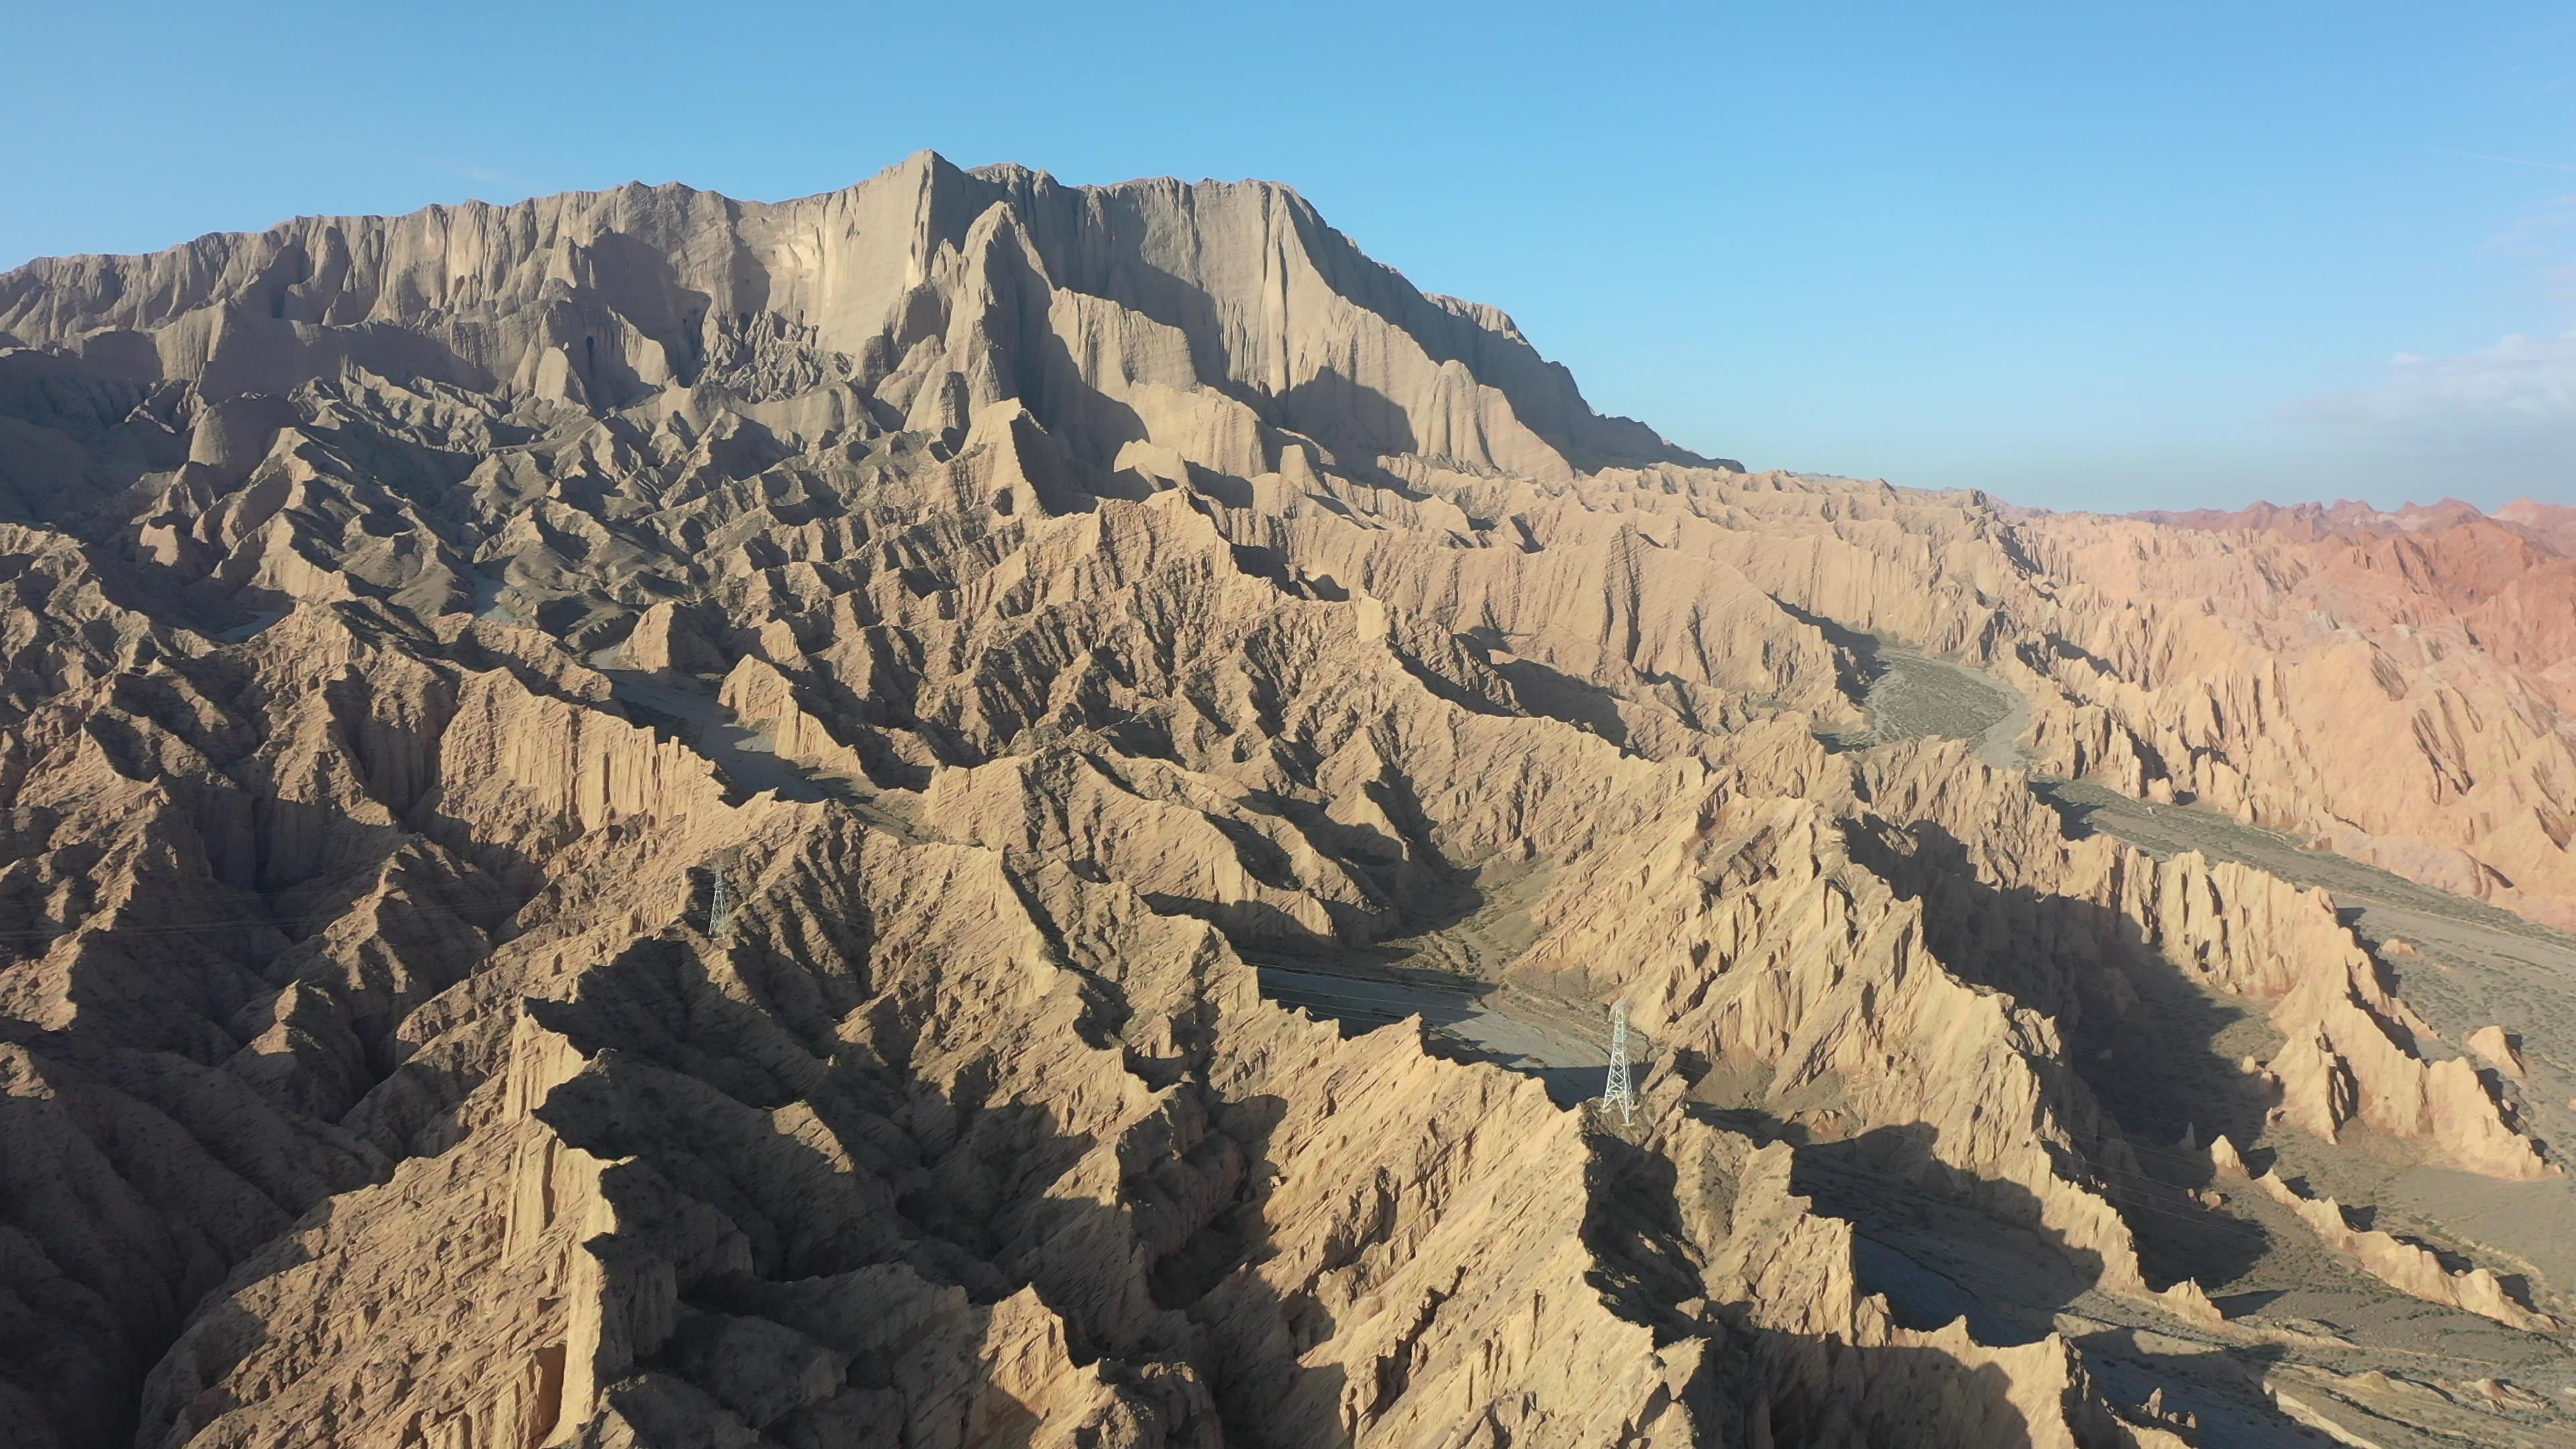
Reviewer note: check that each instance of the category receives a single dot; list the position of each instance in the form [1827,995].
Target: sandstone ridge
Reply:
[641,819]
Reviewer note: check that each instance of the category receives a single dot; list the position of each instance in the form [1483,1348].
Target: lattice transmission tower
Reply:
[1617,1091]
[719,906]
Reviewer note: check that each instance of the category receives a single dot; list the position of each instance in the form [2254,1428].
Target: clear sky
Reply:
[2084,256]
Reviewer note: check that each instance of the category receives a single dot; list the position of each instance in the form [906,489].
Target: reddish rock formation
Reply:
[641,819]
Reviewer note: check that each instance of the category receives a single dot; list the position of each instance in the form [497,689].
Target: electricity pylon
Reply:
[1617,1090]
[719,906]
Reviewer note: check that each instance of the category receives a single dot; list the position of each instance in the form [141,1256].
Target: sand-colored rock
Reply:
[2406,1266]
[1046,607]
[1830,1389]
[2499,1049]
[2396,686]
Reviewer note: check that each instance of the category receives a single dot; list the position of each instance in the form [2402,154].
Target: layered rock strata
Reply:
[640,819]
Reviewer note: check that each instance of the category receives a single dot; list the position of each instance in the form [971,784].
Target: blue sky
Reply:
[2081,256]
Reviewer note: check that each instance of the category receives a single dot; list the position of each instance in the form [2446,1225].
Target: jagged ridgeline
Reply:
[641,819]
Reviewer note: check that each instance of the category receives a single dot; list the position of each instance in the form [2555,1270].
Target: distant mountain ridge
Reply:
[971,813]
[2552,525]
[2508,577]
[923,271]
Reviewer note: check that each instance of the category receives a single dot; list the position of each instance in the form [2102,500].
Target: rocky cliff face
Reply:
[2397,686]
[644,819]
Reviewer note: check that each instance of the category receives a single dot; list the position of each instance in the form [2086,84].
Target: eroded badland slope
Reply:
[639,819]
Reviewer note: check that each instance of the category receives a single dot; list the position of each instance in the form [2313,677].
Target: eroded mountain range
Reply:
[972,812]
